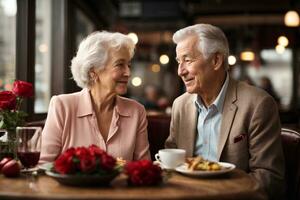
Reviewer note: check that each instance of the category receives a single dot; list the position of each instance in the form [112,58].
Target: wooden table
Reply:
[234,185]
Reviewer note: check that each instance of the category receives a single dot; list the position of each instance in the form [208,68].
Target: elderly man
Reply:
[222,119]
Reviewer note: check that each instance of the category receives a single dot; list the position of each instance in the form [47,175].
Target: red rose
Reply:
[86,160]
[64,164]
[95,151]
[81,152]
[7,100]
[23,89]
[107,162]
[88,164]
[143,172]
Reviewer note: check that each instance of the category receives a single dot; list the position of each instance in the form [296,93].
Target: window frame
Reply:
[62,51]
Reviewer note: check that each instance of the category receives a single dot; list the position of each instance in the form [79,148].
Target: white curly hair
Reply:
[211,39]
[93,53]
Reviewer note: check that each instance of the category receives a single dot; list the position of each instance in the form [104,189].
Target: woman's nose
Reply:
[127,71]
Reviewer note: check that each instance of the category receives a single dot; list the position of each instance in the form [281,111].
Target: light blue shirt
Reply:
[209,124]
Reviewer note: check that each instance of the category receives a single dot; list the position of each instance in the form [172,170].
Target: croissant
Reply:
[198,163]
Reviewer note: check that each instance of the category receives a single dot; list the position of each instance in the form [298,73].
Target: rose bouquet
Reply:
[11,116]
[10,103]
[85,160]
[143,173]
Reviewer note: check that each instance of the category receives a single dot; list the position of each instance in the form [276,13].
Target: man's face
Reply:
[195,71]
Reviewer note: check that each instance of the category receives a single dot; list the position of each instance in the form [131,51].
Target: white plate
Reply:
[226,167]
[46,166]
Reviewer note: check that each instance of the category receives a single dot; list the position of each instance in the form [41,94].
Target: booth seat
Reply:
[291,147]
[158,132]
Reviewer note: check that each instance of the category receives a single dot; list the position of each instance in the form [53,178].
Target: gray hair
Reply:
[211,39]
[93,53]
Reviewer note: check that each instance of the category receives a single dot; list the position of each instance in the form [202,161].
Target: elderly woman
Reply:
[97,114]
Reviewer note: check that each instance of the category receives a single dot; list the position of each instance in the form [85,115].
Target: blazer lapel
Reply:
[191,125]
[228,114]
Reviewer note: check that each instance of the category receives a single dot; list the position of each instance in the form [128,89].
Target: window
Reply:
[42,56]
[83,26]
[278,68]
[8,9]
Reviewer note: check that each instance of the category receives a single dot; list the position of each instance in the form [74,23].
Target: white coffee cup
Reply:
[170,158]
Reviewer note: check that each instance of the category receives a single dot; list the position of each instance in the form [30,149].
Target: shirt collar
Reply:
[122,107]
[218,102]
[85,106]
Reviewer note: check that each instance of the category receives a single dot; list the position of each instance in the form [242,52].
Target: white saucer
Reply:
[162,165]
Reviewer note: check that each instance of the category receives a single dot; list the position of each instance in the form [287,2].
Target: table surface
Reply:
[234,185]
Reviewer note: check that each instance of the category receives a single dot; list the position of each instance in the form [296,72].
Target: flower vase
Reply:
[8,144]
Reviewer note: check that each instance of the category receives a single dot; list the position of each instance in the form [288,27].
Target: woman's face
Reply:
[114,77]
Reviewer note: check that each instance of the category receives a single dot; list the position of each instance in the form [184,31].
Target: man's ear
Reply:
[217,61]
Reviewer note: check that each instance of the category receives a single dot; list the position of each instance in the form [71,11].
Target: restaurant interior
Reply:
[39,38]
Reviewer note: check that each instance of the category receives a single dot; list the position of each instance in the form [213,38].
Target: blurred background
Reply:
[38,39]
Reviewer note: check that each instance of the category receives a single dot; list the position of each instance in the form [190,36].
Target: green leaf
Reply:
[1,123]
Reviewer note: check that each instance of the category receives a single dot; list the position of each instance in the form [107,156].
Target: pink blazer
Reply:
[71,122]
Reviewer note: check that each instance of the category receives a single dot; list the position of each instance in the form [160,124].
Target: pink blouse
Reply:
[71,122]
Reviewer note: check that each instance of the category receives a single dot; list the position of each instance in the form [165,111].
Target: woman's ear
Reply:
[93,75]
[218,61]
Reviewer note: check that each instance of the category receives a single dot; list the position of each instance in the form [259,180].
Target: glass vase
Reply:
[7,144]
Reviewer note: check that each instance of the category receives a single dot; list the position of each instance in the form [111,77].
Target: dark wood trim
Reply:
[70,85]
[60,26]
[295,72]
[37,117]
[25,46]
[90,13]
[295,104]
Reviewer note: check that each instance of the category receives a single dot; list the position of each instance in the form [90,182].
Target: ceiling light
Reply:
[164,59]
[155,68]
[136,81]
[231,60]
[283,41]
[291,18]
[247,55]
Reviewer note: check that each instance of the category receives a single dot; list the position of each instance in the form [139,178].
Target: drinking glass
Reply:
[29,146]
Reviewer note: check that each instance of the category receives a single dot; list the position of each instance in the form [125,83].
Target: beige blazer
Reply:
[71,122]
[250,132]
